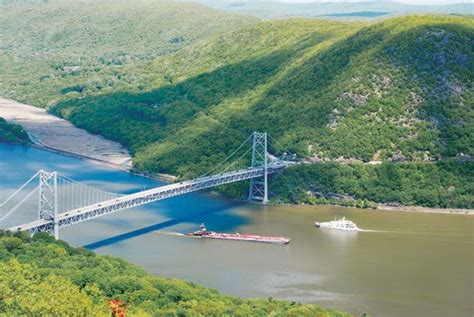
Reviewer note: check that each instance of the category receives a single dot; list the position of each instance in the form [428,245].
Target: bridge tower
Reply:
[48,199]
[259,186]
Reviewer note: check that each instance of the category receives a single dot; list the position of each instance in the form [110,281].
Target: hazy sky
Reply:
[404,1]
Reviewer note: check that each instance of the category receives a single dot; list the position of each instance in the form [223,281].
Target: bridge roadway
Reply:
[107,207]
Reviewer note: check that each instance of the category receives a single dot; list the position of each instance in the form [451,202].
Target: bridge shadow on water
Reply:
[195,218]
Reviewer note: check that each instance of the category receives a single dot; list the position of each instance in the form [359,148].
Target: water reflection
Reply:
[189,217]
[339,238]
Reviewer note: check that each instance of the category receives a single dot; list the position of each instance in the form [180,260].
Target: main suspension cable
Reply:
[19,189]
[87,186]
[224,161]
[237,160]
[17,205]
[274,141]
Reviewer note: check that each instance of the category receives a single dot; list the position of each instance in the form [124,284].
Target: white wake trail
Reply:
[169,233]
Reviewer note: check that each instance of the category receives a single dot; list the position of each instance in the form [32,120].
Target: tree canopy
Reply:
[40,276]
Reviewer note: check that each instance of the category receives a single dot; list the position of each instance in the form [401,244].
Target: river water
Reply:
[408,264]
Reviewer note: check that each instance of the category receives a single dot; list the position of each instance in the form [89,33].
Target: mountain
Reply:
[334,9]
[48,45]
[394,90]
[397,90]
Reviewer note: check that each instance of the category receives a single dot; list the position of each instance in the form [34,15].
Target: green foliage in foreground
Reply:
[441,184]
[12,133]
[44,277]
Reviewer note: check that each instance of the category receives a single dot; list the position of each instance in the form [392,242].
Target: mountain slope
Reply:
[50,49]
[396,90]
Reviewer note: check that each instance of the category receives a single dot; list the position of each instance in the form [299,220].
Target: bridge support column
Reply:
[259,186]
[48,199]
[55,211]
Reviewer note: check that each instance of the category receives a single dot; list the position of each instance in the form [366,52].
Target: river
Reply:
[410,264]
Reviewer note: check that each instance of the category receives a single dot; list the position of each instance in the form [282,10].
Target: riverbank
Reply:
[51,133]
[401,208]
[432,186]
[296,272]
[410,209]
[110,280]
[57,135]
[419,209]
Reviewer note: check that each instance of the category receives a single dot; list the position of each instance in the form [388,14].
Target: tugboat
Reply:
[200,233]
[204,233]
[338,224]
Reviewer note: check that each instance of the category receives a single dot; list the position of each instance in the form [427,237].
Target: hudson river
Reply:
[410,264]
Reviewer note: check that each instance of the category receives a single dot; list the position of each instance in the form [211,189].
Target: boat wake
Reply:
[176,234]
[388,231]
[369,230]
[170,233]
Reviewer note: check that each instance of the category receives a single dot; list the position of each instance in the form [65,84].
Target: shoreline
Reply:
[79,156]
[127,169]
[421,209]
[56,134]
[170,178]
[68,140]
[404,209]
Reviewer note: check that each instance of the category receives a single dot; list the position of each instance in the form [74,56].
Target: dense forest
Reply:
[394,90]
[398,90]
[45,277]
[442,184]
[12,133]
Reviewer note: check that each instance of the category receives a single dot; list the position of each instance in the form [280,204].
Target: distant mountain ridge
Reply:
[54,44]
[336,9]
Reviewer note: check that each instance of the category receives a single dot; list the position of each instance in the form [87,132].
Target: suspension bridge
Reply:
[62,201]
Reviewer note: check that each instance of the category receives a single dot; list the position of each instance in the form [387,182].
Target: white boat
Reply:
[338,224]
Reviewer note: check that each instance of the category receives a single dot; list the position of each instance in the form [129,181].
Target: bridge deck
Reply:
[124,202]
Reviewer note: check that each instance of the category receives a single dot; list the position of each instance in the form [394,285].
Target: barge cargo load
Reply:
[204,233]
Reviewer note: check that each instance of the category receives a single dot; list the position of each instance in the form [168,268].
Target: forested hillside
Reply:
[399,90]
[44,277]
[12,133]
[396,90]
[443,184]
[53,49]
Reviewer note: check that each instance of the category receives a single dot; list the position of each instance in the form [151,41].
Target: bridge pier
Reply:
[48,199]
[259,186]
